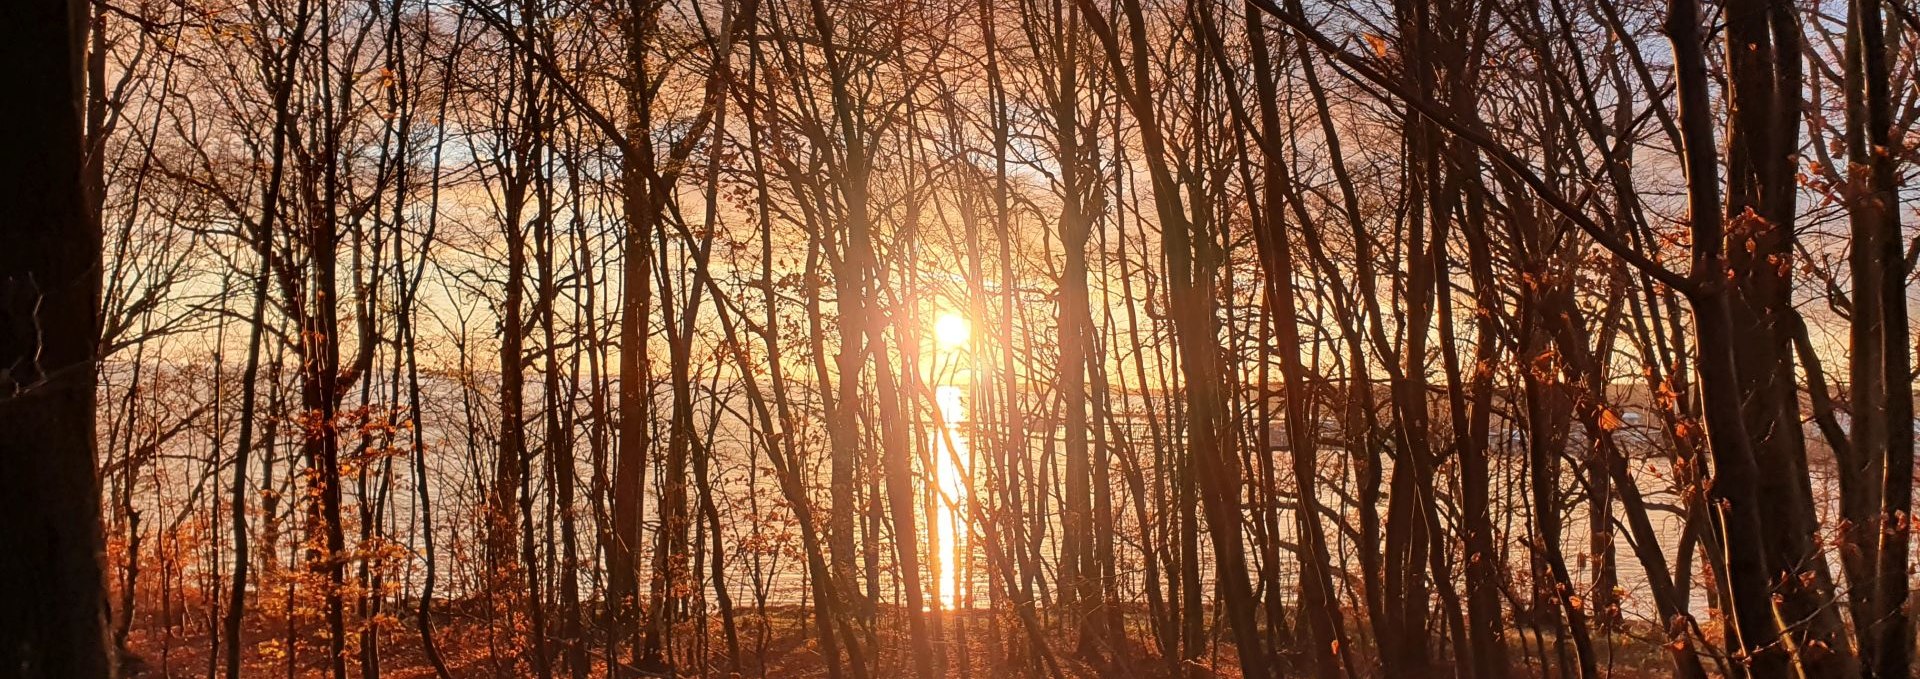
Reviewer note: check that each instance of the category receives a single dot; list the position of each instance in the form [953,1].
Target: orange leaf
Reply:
[1378,44]
[1608,420]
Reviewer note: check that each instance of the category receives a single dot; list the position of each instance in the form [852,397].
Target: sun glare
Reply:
[951,530]
[952,330]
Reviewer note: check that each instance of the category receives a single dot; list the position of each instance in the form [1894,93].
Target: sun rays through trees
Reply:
[908,338]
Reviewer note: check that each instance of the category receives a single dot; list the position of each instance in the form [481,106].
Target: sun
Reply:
[952,330]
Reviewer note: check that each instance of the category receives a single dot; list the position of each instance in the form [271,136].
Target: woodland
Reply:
[860,339]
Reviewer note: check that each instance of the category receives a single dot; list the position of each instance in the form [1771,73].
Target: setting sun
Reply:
[952,330]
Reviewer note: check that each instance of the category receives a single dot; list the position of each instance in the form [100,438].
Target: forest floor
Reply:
[780,645]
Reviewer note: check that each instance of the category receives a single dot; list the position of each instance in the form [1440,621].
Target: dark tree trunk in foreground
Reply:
[1735,492]
[52,617]
[1319,601]
[1882,363]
